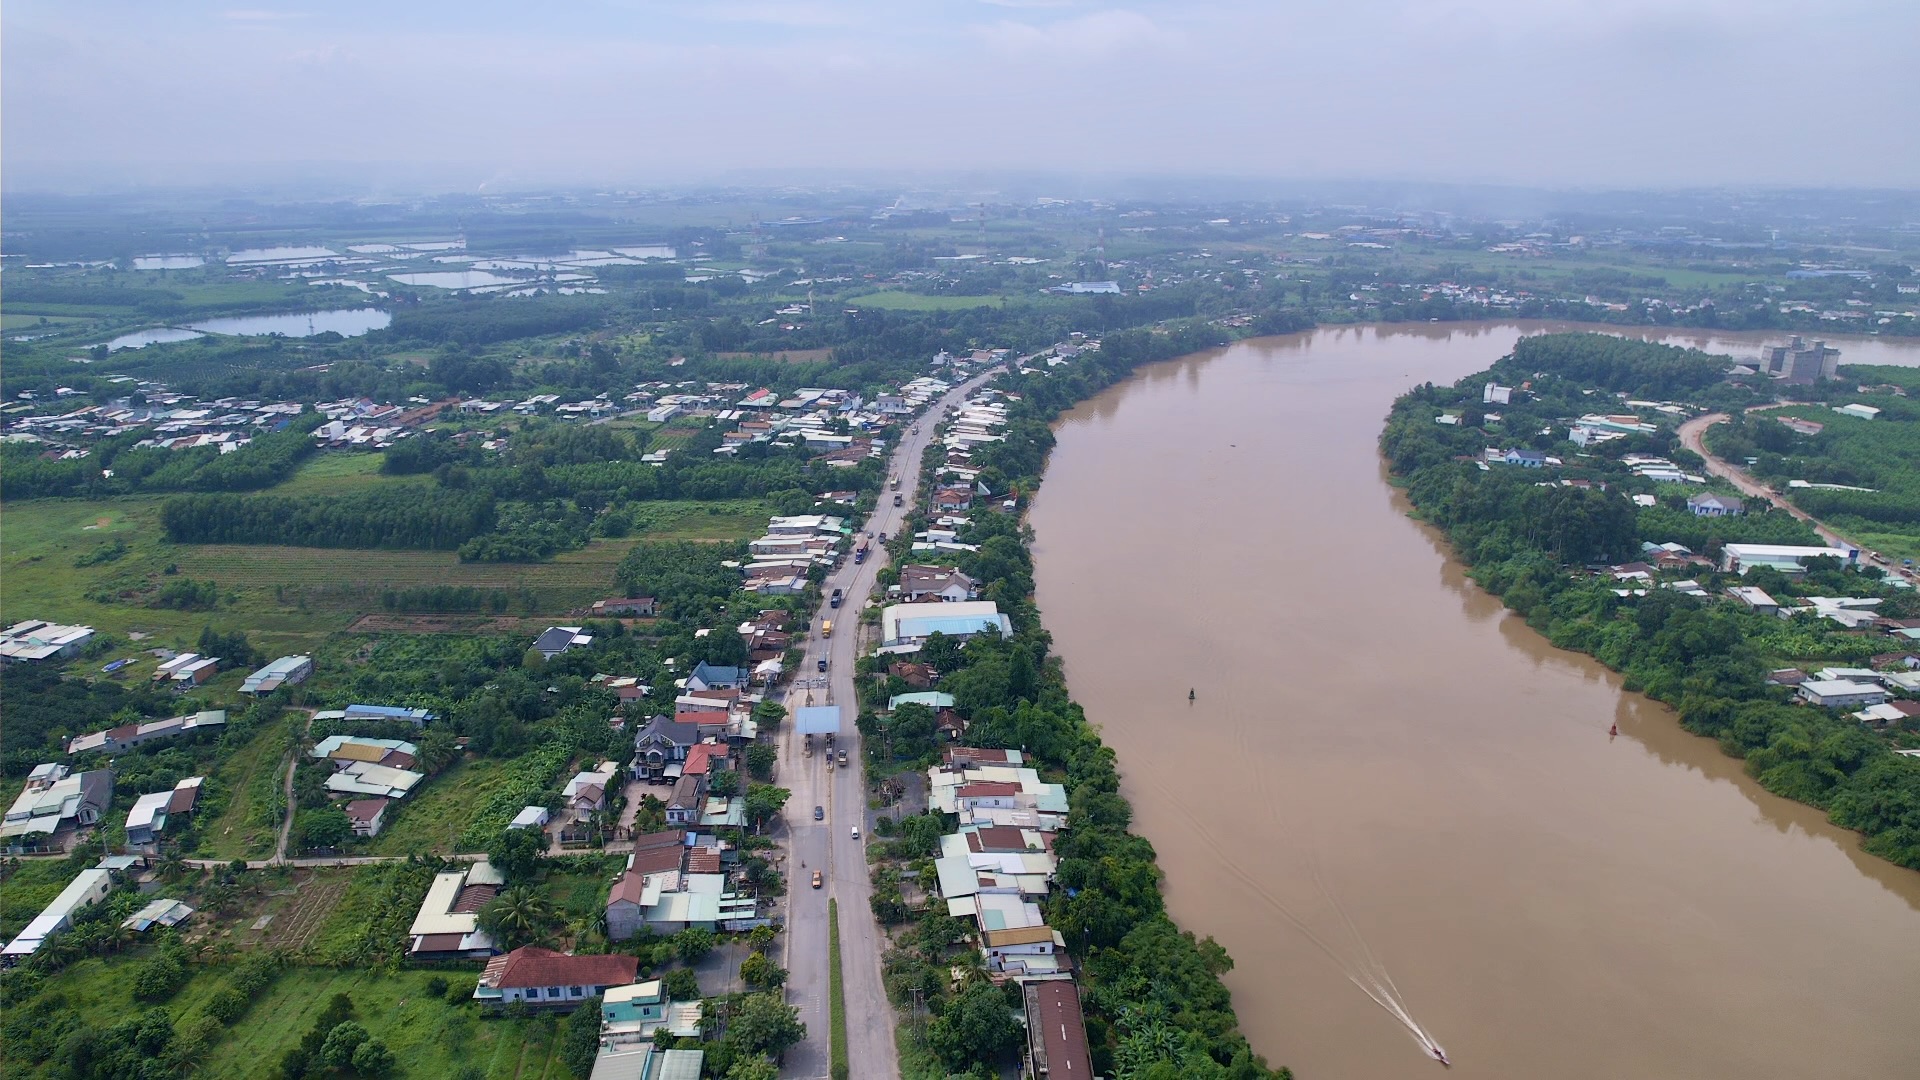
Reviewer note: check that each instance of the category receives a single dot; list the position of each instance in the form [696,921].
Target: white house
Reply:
[903,623]
[83,891]
[1841,693]
[1710,505]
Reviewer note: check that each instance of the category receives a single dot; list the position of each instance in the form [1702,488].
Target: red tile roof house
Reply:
[953,499]
[1000,794]
[547,979]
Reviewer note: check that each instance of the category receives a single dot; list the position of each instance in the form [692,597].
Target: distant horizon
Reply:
[1654,95]
[339,180]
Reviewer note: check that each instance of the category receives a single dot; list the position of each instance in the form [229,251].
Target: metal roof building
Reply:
[818,719]
[285,671]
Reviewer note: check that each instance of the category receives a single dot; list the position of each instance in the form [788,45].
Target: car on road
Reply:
[816,879]
[823,663]
[819,813]
[856,832]
[843,757]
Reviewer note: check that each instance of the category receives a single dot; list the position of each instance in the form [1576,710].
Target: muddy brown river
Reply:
[1387,781]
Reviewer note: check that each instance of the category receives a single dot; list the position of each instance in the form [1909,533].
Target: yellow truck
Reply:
[826,628]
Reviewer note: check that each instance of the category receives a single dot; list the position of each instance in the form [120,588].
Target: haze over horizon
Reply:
[1640,93]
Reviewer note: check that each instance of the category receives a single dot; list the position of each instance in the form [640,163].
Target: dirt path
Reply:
[293,762]
[1693,437]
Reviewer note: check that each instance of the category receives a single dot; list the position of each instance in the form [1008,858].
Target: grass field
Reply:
[352,580]
[330,473]
[722,519]
[290,598]
[430,1037]
[11,321]
[249,777]
[432,817]
[580,895]
[40,539]
[1562,269]
[893,300]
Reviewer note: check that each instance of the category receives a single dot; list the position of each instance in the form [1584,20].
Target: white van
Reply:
[856,832]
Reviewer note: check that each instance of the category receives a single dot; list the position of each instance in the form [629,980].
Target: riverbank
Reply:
[1521,536]
[1150,995]
[1380,750]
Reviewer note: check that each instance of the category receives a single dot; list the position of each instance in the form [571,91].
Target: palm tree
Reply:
[516,917]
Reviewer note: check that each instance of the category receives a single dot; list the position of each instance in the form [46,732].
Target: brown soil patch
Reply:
[294,929]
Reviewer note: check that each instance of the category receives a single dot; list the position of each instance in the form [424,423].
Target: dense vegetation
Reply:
[1881,455]
[117,467]
[1154,1002]
[405,517]
[1708,660]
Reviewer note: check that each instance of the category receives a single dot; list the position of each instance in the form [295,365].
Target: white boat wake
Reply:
[1363,968]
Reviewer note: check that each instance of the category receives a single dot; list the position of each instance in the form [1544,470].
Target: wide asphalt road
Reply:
[829,845]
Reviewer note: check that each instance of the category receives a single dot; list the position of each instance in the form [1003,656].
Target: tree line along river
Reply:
[1385,780]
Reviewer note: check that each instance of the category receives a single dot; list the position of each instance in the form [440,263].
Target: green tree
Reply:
[372,1058]
[763,1024]
[693,943]
[764,801]
[580,1040]
[681,984]
[758,971]
[516,853]
[323,827]
[346,1038]
[753,1068]
[516,917]
[976,1026]
[437,749]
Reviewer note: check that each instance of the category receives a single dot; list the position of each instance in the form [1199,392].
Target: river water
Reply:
[1382,761]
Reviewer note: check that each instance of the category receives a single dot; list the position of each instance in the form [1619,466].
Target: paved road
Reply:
[829,845]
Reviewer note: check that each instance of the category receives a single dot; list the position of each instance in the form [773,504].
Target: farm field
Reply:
[893,300]
[329,473]
[792,356]
[341,578]
[11,321]
[718,520]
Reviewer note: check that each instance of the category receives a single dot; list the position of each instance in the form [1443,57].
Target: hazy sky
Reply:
[1554,92]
